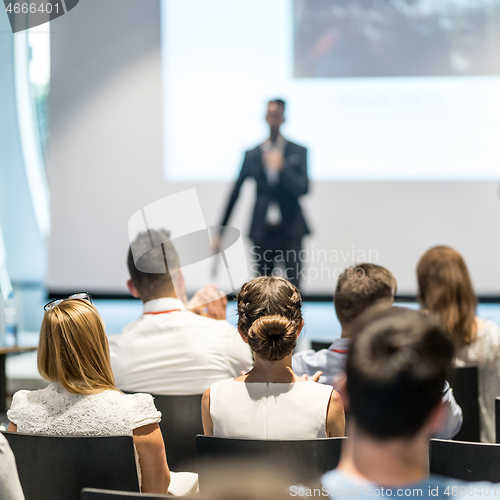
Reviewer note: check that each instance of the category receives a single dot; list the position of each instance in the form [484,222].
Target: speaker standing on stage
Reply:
[279,168]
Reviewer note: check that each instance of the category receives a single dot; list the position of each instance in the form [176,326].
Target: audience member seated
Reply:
[10,487]
[82,399]
[170,349]
[445,289]
[270,401]
[398,362]
[359,288]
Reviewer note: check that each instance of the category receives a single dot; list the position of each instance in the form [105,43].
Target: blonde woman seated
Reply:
[270,401]
[82,399]
[445,289]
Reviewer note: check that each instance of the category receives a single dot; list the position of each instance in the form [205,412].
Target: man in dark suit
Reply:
[279,168]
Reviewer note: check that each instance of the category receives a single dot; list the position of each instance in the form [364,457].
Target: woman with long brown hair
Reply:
[445,289]
[270,401]
[81,399]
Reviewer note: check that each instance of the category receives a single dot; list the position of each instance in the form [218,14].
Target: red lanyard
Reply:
[163,312]
[340,351]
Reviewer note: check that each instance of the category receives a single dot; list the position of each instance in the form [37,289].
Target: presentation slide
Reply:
[166,95]
[393,90]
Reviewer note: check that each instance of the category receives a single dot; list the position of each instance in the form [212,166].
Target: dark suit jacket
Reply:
[293,183]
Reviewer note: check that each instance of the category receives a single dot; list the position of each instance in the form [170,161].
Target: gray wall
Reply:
[106,162]
[25,247]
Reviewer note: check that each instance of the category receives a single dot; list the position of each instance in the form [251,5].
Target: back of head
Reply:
[359,288]
[445,288]
[73,348]
[280,102]
[153,268]
[273,337]
[270,315]
[396,371]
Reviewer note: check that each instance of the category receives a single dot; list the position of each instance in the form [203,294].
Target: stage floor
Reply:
[321,325]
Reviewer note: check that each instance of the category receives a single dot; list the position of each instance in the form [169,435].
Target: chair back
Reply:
[96,494]
[465,390]
[497,420]
[180,423]
[307,458]
[465,461]
[57,468]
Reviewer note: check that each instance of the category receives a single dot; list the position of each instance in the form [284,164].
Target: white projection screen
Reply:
[398,109]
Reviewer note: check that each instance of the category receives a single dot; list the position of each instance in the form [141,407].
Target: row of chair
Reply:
[181,419]
[181,422]
[58,468]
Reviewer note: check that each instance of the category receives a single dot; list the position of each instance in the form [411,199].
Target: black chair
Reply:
[497,420]
[465,461]
[57,468]
[465,390]
[96,494]
[307,458]
[180,423]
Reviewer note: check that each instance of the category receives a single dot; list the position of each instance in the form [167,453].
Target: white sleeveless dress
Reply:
[269,410]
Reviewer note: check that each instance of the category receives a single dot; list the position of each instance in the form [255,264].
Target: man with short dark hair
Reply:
[279,168]
[398,362]
[176,347]
[157,269]
[359,288]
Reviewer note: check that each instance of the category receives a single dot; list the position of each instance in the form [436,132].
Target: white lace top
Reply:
[484,353]
[56,412]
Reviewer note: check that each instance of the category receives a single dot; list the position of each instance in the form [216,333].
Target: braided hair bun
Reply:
[270,315]
[272,337]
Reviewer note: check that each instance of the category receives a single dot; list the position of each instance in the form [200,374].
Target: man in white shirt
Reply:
[175,347]
[359,288]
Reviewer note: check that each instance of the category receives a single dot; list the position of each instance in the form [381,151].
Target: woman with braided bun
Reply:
[270,401]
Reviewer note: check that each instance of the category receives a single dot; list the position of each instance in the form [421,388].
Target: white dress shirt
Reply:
[170,350]
[273,214]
